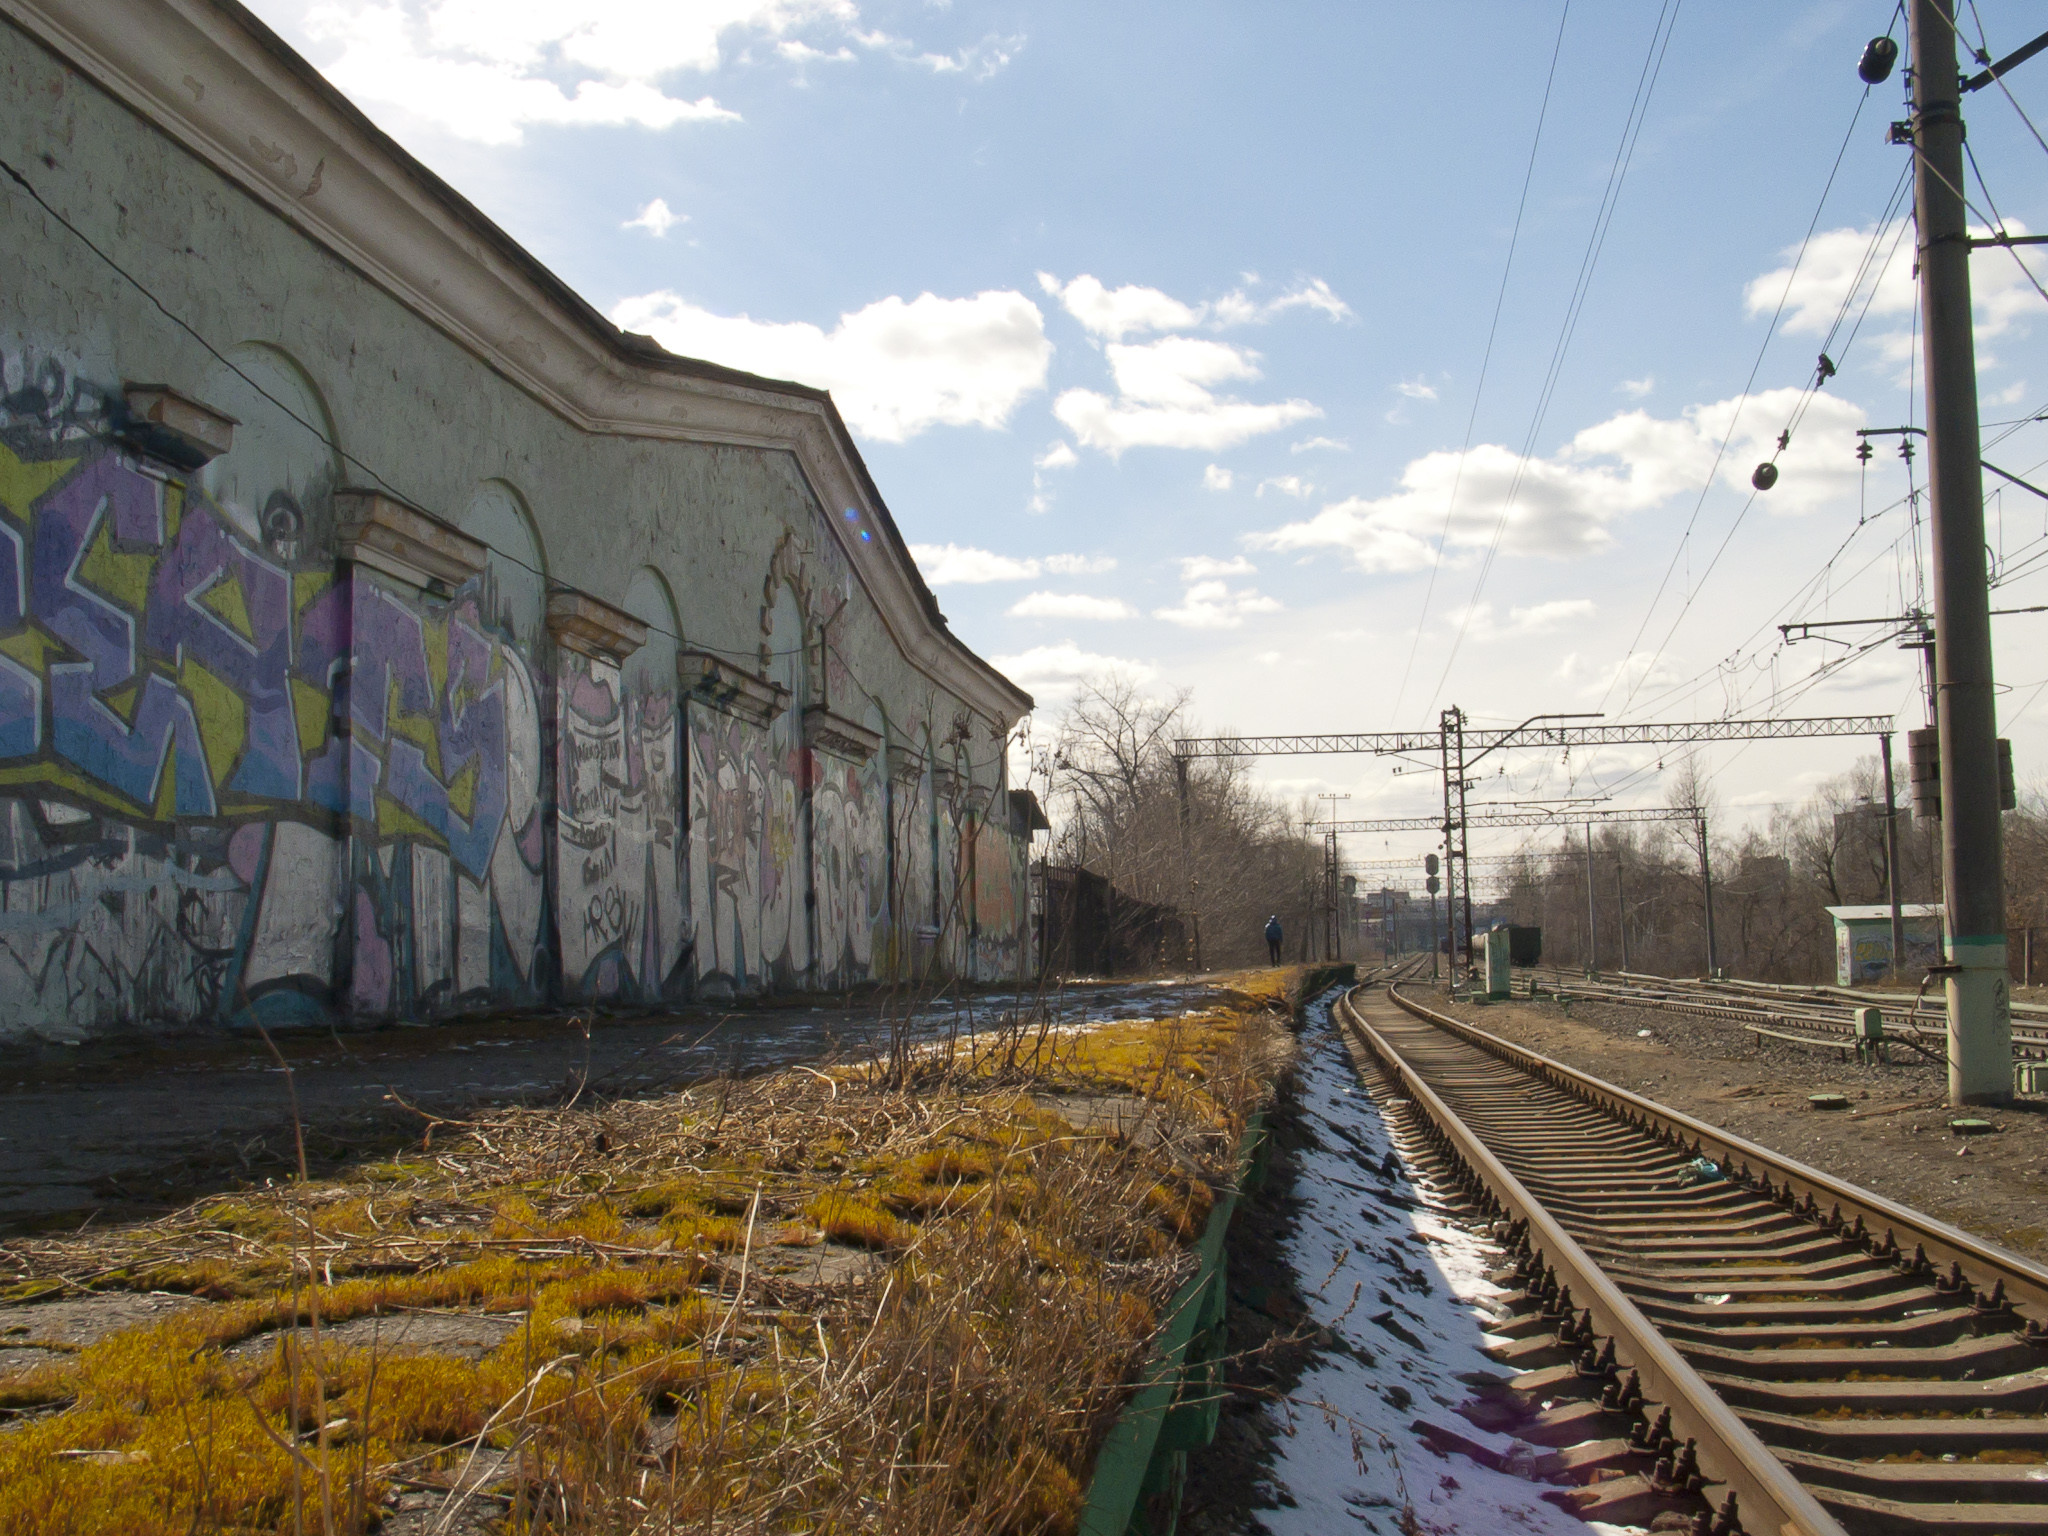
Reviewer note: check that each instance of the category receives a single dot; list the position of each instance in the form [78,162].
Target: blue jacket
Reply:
[1272,930]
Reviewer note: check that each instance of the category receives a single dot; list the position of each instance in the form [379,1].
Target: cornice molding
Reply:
[591,628]
[838,735]
[724,686]
[221,84]
[377,529]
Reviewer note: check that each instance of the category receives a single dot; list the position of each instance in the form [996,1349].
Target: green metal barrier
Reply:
[1136,1490]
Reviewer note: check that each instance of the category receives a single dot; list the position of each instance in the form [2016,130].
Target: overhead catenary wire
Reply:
[1749,385]
[1603,219]
[1982,54]
[1485,362]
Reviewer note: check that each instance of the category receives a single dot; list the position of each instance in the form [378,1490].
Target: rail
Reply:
[1770,1498]
[1908,1391]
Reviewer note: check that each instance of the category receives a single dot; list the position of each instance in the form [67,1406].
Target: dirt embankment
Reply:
[1894,1139]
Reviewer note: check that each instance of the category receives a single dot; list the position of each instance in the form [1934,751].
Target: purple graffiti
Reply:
[110,500]
[467,714]
[432,740]
[205,591]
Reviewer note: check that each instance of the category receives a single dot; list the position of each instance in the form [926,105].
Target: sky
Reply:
[1335,363]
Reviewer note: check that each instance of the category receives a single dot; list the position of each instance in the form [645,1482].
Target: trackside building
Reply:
[384,634]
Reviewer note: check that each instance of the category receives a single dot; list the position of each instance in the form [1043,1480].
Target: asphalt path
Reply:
[102,1132]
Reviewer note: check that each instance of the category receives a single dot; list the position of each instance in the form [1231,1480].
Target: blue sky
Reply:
[1161,327]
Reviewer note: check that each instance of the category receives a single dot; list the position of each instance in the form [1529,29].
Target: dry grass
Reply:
[658,1375]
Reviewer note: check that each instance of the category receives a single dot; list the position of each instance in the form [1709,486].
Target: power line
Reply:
[1749,385]
[1485,362]
[1603,219]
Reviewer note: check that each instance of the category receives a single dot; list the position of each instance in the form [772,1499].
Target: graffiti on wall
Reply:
[852,874]
[744,877]
[218,763]
[624,930]
[242,782]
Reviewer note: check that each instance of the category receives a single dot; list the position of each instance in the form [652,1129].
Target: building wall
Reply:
[242,779]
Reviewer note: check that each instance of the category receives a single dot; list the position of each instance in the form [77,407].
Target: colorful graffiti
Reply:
[220,760]
[243,782]
[743,842]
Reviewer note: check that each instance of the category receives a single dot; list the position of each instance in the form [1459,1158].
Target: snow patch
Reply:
[1401,1287]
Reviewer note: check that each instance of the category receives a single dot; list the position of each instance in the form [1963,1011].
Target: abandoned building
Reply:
[386,634]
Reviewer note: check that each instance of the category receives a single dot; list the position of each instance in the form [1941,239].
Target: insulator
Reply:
[1879,55]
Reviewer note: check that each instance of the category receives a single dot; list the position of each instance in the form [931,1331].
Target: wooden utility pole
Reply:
[1973,881]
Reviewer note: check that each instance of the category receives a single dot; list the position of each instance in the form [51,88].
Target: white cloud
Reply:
[1286,485]
[894,368]
[1566,504]
[1079,565]
[1217,478]
[1202,567]
[1636,389]
[799,52]
[957,565]
[953,565]
[1415,389]
[1999,291]
[1479,623]
[1240,308]
[1053,672]
[1117,313]
[1070,605]
[1114,313]
[1311,444]
[1214,605]
[976,61]
[656,219]
[1165,399]
[1057,455]
[486,70]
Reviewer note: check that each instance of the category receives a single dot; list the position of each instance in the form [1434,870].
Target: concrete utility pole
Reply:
[1592,932]
[1979,996]
[1707,894]
[1621,911]
[1891,857]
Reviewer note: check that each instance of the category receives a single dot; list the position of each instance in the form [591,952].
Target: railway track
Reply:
[1708,1329]
[1822,1016]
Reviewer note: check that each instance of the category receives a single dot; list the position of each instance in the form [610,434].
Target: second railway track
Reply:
[1695,1316]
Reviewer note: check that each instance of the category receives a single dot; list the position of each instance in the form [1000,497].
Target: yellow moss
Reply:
[1004,1227]
[855,1219]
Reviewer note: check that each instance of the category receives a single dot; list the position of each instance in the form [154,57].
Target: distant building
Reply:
[384,634]
[1863,941]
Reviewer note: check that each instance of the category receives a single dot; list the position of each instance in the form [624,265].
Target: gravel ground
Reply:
[1894,1139]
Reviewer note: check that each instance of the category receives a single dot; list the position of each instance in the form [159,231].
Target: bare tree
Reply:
[1221,852]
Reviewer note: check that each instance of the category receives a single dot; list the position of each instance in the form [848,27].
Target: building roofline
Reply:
[220,82]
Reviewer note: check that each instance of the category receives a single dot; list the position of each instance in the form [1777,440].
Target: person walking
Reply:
[1273,937]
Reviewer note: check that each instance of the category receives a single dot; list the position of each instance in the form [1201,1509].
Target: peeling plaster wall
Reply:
[243,780]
